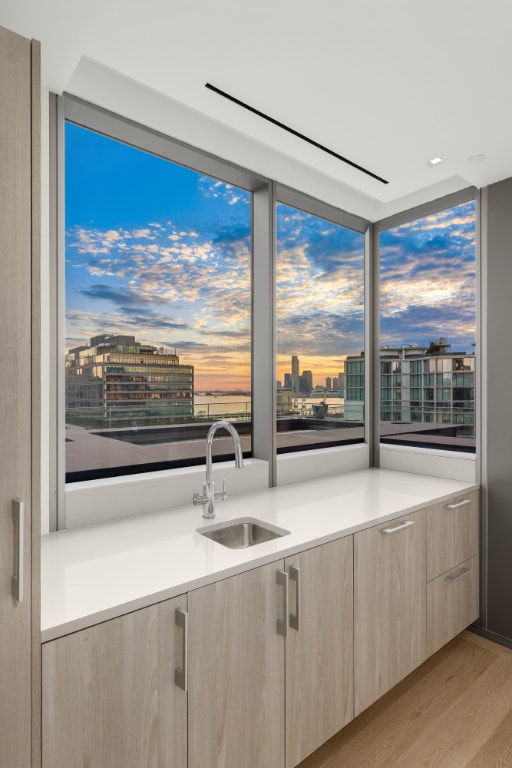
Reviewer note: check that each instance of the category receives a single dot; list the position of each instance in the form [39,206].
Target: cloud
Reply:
[212,189]
[104,292]
[428,285]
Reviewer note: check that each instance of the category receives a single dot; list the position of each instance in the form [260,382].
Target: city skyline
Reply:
[163,252]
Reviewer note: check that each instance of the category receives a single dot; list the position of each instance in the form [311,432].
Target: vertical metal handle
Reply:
[294,574]
[18,516]
[458,504]
[282,624]
[181,673]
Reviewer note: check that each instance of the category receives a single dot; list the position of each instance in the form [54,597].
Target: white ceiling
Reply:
[388,84]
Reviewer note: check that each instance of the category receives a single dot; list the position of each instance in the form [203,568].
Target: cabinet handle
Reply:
[294,574]
[18,516]
[456,576]
[282,624]
[399,527]
[181,673]
[458,504]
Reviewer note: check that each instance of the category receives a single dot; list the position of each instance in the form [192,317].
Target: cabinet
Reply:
[19,397]
[109,693]
[452,529]
[389,605]
[319,647]
[273,661]
[269,668]
[236,672]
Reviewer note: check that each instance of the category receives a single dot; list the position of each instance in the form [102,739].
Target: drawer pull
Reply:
[400,527]
[181,673]
[282,624]
[458,504]
[460,573]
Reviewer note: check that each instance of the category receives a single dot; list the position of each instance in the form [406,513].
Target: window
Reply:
[157,309]
[428,323]
[320,331]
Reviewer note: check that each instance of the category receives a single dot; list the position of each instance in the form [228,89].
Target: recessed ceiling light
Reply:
[435,161]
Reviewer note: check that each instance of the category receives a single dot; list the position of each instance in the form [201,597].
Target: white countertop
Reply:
[101,571]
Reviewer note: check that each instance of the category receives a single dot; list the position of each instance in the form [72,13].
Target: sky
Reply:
[159,252]
[427,280]
[319,294]
[162,253]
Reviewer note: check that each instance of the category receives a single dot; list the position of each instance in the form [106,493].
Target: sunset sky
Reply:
[163,253]
[320,293]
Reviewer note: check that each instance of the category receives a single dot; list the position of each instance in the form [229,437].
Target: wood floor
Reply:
[455,711]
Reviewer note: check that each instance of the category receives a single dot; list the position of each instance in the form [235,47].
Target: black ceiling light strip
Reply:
[294,132]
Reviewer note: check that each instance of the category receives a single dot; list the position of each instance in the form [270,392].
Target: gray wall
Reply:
[497,407]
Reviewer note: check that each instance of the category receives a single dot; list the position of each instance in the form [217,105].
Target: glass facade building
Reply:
[419,386]
[117,382]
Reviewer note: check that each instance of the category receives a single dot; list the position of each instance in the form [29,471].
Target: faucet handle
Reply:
[202,498]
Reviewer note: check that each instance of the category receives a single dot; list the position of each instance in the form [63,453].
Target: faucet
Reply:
[209,495]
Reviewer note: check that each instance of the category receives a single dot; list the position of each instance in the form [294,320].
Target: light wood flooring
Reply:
[455,711]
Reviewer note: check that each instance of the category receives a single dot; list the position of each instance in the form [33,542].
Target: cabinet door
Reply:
[17,65]
[319,647]
[109,694]
[236,672]
[452,533]
[389,605]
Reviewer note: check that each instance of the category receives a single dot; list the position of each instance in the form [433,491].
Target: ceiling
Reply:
[388,85]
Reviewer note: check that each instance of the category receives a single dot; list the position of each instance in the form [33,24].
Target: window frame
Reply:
[435,461]
[169,488]
[90,501]
[286,196]
[67,108]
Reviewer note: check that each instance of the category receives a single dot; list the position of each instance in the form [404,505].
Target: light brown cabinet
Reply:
[109,694]
[268,657]
[275,640]
[278,658]
[236,672]
[389,605]
[452,529]
[19,402]
[319,647]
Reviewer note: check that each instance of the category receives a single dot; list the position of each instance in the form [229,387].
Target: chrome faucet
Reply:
[209,495]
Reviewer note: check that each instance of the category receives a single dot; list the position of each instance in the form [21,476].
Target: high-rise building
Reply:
[423,385]
[295,373]
[288,381]
[306,382]
[328,383]
[119,382]
[335,383]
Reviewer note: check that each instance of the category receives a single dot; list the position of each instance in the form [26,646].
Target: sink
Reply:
[242,533]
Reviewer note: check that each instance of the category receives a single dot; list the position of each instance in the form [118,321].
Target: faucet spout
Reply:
[239,459]
[209,495]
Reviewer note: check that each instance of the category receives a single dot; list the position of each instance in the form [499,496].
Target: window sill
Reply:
[99,500]
[309,465]
[428,461]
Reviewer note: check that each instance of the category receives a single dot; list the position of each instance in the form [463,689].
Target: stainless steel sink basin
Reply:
[242,533]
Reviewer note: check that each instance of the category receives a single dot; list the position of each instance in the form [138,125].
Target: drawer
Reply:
[452,603]
[452,533]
